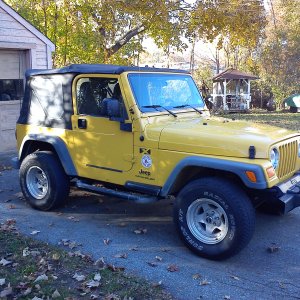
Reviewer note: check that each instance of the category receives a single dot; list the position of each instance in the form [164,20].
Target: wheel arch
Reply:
[35,142]
[196,167]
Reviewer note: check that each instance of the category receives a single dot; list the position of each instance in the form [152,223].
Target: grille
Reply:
[288,157]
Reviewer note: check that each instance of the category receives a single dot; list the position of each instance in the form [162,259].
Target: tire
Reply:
[43,181]
[229,221]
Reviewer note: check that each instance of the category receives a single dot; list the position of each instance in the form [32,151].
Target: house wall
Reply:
[14,36]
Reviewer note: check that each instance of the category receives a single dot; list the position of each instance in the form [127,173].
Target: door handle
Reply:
[82,123]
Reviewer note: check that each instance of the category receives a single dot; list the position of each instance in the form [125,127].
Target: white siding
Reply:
[11,31]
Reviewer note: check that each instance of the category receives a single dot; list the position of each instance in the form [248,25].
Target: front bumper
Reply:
[289,193]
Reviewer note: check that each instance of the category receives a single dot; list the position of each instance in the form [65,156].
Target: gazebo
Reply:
[231,90]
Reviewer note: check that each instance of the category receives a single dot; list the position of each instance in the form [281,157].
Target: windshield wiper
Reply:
[186,105]
[159,106]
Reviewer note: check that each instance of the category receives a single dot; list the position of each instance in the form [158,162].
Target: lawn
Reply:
[30,269]
[280,119]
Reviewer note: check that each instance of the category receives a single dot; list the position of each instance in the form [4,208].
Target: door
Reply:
[101,148]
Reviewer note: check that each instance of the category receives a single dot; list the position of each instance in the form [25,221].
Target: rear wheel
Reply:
[43,180]
[214,217]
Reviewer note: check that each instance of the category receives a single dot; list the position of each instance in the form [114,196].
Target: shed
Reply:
[231,90]
[22,47]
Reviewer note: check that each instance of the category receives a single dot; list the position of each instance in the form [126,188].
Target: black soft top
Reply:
[99,69]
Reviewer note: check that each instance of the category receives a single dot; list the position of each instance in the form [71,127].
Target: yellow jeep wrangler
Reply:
[144,134]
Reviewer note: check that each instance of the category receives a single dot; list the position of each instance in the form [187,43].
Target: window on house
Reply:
[11,89]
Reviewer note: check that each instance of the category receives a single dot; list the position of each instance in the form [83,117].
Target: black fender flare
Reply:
[60,147]
[237,168]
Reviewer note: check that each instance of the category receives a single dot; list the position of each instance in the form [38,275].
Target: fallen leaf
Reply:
[42,277]
[72,245]
[172,268]
[5,262]
[18,195]
[55,256]
[93,284]
[204,282]
[34,232]
[6,292]
[112,297]
[26,252]
[273,248]
[122,224]
[106,241]
[121,255]
[79,254]
[156,284]
[97,277]
[79,277]
[140,231]
[10,222]
[35,253]
[2,281]
[196,276]
[100,263]
[94,296]
[165,249]
[27,291]
[56,294]
[73,219]
[115,269]
[281,285]
[158,258]
[235,277]
[135,248]
[152,264]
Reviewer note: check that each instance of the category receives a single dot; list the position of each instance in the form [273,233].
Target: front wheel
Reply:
[43,180]
[214,217]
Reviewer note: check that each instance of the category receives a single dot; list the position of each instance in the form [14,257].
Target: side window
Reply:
[99,97]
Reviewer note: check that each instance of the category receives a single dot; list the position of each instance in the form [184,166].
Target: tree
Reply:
[279,54]
[112,31]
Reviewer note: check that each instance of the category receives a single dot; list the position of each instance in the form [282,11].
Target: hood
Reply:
[218,136]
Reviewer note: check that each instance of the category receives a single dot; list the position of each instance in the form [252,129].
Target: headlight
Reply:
[274,157]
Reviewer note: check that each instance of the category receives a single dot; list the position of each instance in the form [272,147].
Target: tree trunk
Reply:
[124,40]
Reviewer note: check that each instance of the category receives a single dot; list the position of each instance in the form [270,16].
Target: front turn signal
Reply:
[251,176]
[271,172]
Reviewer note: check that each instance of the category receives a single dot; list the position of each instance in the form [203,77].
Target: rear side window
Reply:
[47,97]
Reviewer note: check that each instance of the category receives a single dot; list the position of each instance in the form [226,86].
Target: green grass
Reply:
[60,267]
[280,118]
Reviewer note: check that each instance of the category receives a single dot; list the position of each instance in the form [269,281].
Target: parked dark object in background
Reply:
[271,105]
[293,102]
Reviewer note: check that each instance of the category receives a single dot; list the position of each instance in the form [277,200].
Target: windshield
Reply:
[158,91]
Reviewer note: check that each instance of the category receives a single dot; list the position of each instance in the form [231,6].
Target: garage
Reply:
[22,47]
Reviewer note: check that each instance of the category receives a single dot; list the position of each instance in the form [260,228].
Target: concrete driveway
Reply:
[88,220]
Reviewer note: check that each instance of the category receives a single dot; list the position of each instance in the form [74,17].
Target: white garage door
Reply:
[12,64]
